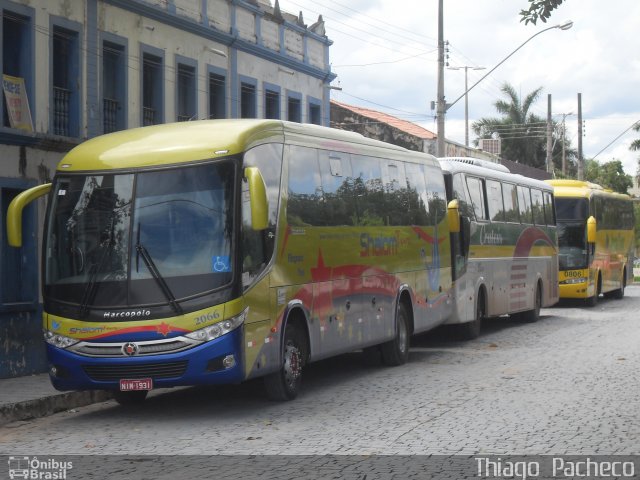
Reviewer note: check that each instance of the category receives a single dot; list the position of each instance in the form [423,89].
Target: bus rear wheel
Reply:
[396,352]
[619,293]
[533,315]
[285,384]
[471,330]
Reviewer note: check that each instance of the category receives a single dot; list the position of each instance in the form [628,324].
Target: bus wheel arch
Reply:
[284,384]
[533,315]
[471,330]
[593,301]
[395,352]
[618,293]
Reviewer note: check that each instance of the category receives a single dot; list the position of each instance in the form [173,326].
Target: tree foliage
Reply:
[539,10]
[523,133]
[609,175]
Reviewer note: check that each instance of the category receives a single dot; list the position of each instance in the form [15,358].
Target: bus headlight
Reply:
[216,330]
[58,340]
[572,281]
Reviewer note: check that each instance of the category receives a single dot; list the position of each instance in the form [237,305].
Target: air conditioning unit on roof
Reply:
[491,145]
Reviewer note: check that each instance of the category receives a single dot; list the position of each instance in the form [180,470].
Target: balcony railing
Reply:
[148,116]
[61,102]
[110,115]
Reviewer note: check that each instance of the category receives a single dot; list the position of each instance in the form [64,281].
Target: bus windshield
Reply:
[137,239]
[572,216]
[576,209]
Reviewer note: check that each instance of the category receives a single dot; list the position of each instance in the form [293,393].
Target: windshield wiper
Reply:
[148,261]
[92,285]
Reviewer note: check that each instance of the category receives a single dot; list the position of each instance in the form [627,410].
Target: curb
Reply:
[42,407]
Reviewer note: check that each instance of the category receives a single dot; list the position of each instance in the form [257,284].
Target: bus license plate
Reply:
[127,385]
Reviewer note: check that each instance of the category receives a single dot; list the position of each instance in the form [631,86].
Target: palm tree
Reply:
[523,133]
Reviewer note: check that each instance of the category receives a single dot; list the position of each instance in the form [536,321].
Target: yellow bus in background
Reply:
[596,240]
[213,252]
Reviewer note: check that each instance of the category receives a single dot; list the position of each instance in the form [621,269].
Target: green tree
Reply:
[609,175]
[523,133]
[539,10]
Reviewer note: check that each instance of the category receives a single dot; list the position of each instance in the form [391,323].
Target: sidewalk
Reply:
[33,396]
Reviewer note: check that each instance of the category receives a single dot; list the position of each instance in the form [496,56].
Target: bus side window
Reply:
[305,205]
[549,211]
[494,200]
[537,207]
[437,192]
[524,204]
[417,186]
[459,193]
[369,191]
[476,193]
[337,187]
[510,198]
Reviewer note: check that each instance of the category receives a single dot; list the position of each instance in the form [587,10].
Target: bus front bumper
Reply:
[215,362]
[576,290]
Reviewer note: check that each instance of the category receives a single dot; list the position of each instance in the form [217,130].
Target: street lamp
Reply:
[466,100]
[442,105]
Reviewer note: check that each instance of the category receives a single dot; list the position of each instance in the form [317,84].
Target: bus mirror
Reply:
[257,198]
[453,215]
[14,212]
[591,230]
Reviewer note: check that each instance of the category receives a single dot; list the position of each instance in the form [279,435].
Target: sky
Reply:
[385,55]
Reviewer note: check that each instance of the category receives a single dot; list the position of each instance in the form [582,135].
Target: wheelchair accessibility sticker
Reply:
[221,264]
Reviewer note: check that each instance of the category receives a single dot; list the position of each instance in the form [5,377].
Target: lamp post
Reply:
[564,134]
[442,105]
[466,99]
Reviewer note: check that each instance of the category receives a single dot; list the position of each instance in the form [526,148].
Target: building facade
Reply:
[390,129]
[75,69]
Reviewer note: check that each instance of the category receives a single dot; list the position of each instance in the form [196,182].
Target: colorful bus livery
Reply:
[505,255]
[217,251]
[595,235]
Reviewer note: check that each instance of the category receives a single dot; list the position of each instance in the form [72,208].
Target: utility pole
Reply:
[580,159]
[441,107]
[549,135]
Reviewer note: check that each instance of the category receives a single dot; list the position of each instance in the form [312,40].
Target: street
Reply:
[566,385]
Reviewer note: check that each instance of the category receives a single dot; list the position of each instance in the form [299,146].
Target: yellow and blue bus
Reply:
[213,252]
[596,239]
[506,254]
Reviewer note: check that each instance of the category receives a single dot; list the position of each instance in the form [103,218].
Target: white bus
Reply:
[505,256]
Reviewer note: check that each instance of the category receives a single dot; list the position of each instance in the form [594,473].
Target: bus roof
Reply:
[581,189]
[187,142]
[480,168]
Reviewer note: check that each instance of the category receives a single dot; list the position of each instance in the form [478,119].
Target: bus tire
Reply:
[593,301]
[396,352]
[471,330]
[126,399]
[284,384]
[618,294]
[533,315]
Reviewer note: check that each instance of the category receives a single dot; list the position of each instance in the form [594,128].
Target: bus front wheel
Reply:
[396,352]
[593,301]
[285,383]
